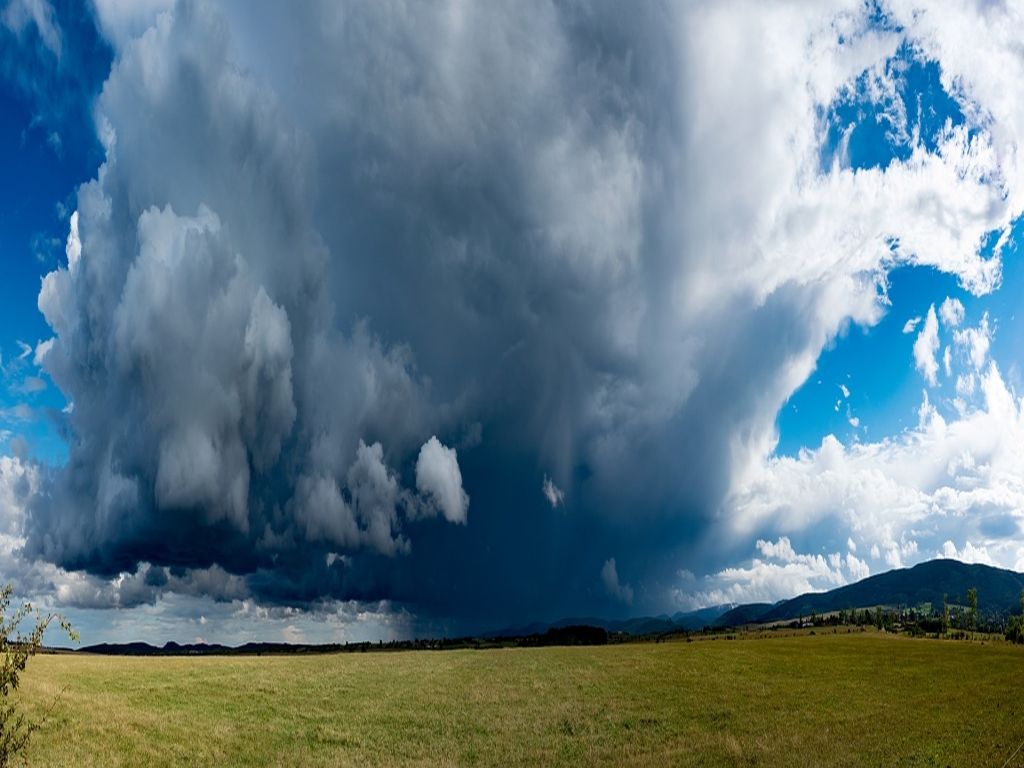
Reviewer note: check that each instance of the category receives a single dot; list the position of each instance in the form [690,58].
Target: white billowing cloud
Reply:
[968,554]
[925,347]
[17,15]
[55,587]
[966,384]
[845,390]
[122,20]
[858,568]
[552,492]
[780,572]
[975,342]
[369,516]
[911,325]
[907,495]
[952,312]
[73,247]
[323,513]
[438,477]
[610,578]
[144,586]
[375,494]
[42,348]
[18,481]
[899,554]
[202,450]
[854,421]
[947,361]
[980,59]
[778,550]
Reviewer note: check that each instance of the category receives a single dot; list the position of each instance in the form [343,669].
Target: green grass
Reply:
[862,699]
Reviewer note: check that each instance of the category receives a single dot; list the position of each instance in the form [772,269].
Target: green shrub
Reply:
[1015,629]
[15,651]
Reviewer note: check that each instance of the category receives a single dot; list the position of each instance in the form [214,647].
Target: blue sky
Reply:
[48,146]
[448,311]
[876,364]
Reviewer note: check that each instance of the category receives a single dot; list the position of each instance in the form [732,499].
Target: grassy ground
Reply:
[861,699]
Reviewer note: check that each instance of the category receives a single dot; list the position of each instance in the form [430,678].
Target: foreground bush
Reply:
[15,651]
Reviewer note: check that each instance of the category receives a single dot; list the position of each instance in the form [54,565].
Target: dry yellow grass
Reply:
[823,700]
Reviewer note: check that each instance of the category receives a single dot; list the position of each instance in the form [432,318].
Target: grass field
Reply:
[863,699]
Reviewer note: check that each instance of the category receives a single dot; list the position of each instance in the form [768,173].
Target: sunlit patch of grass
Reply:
[838,700]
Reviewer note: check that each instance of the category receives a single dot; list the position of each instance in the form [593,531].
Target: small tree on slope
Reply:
[1015,626]
[972,603]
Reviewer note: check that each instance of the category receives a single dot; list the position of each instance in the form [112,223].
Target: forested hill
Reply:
[998,590]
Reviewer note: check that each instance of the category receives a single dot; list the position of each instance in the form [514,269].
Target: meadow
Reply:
[841,700]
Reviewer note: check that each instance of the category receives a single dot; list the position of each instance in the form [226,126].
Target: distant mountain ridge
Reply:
[207,649]
[998,592]
[746,613]
[644,625]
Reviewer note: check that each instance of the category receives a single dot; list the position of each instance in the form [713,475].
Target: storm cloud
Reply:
[355,281]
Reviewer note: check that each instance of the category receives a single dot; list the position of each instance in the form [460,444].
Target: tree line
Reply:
[951,617]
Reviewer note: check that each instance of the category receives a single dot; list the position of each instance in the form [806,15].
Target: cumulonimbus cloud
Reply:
[608,235]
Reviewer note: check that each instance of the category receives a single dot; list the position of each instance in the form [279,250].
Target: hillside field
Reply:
[843,699]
